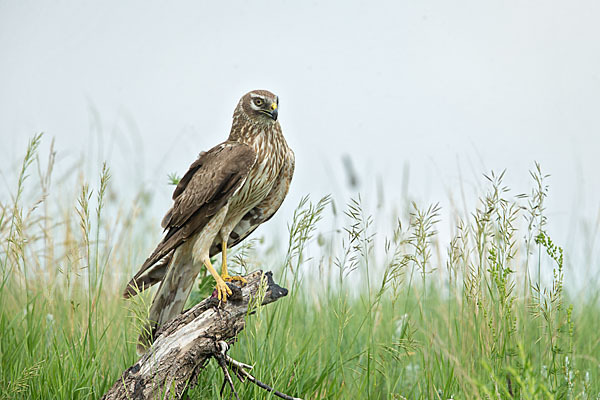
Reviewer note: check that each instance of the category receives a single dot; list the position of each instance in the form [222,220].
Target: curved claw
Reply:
[238,278]
[222,290]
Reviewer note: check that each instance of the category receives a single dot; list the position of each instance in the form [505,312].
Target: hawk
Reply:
[223,197]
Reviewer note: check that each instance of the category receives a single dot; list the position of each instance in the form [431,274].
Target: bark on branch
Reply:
[184,345]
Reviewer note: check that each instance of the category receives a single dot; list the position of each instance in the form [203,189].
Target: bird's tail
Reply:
[149,277]
[171,296]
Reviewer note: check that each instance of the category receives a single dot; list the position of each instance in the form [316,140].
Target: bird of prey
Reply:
[224,196]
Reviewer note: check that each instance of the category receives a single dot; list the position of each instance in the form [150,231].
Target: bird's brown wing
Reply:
[265,209]
[207,186]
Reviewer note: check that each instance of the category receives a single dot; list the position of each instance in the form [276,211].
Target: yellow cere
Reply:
[273,106]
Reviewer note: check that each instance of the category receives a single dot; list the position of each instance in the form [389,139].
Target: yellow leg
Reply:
[224,273]
[222,289]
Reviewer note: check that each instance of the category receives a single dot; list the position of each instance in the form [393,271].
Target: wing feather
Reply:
[206,187]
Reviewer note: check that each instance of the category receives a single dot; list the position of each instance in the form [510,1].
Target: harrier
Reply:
[224,196]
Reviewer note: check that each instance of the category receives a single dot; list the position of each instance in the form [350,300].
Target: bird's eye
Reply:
[258,102]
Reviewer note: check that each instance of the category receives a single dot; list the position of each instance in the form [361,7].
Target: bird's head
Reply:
[260,105]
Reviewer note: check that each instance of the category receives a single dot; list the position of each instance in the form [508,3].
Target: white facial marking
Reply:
[257,96]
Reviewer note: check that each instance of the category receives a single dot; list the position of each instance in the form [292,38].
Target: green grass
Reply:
[367,317]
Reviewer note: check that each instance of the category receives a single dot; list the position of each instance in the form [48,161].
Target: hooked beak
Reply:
[274,111]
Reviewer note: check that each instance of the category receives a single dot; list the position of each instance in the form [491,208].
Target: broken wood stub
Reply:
[184,345]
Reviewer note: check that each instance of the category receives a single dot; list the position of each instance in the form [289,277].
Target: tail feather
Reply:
[150,278]
[171,296]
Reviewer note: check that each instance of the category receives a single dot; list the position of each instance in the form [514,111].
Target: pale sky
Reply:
[436,85]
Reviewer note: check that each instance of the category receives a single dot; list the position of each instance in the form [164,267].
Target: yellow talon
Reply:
[235,278]
[222,290]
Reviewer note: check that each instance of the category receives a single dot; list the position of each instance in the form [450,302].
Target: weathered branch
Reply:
[240,371]
[184,345]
